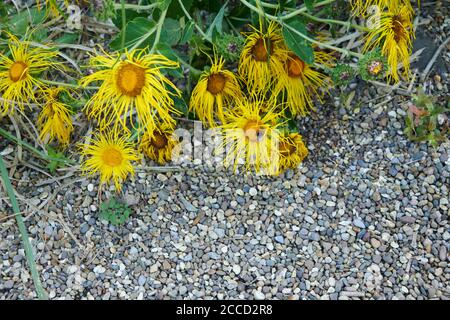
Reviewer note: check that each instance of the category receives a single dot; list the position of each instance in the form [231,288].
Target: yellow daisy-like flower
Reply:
[292,150]
[110,156]
[251,135]
[54,120]
[215,91]
[18,74]
[373,7]
[134,84]
[262,57]
[161,146]
[394,36]
[299,84]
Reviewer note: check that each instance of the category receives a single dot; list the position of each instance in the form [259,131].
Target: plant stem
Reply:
[42,295]
[136,7]
[158,30]
[68,85]
[347,24]
[41,154]
[186,13]
[124,24]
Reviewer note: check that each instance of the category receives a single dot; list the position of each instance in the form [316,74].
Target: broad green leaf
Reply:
[301,47]
[309,5]
[20,21]
[138,29]
[170,32]
[217,22]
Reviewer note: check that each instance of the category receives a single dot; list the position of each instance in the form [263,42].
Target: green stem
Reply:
[124,24]
[22,143]
[158,30]
[186,13]
[347,24]
[42,295]
[68,85]
[136,7]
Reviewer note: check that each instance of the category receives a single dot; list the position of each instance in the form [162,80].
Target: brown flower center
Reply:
[262,49]
[254,130]
[18,71]
[112,157]
[131,79]
[286,149]
[159,141]
[295,67]
[397,28]
[216,83]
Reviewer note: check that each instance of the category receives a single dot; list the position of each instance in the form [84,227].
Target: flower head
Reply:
[373,65]
[394,36]
[292,150]
[214,92]
[299,83]
[251,135]
[263,56]
[161,146]
[54,120]
[134,84]
[110,156]
[19,73]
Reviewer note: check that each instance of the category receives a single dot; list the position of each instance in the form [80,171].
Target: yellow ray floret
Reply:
[394,35]
[161,146]
[292,150]
[54,120]
[299,84]
[214,92]
[110,156]
[132,84]
[52,6]
[262,57]
[19,74]
[250,135]
[366,8]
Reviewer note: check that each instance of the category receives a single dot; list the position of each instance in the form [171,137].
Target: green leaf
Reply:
[68,38]
[187,33]
[217,22]
[136,30]
[309,5]
[22,20]
[171,32]
[301,47]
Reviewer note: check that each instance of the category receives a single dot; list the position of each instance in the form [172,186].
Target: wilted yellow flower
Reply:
[394,35]
[54,120]
[134,84]
[299,84]
[292,150]
[214,92]
[160,147]
[110,156]
[249,134]
[19,73]
[262,57]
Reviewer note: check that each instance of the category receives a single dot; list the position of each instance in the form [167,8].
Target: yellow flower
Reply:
[18,74]
[249,134]
[394,35]
[110,156]
[299,84]
[292,150]
[366,8]
[215,91]
[161,146]
[54,120]
[262,58]
[134,84]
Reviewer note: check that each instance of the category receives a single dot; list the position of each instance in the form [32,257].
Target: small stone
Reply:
[142,280]
[258,295]
[443,253]
[8,284]
[375,243]
[279,239]
[99,269]
[253,192]
[236,269]
[407,219]
[90,187]
[359,223]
